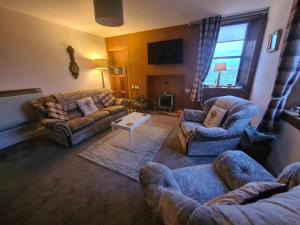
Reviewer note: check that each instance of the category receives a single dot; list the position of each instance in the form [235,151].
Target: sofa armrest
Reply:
[193,115]
[235,169]
[122,101]
[155,179]
[57,125]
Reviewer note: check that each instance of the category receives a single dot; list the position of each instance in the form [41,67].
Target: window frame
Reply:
[237,83]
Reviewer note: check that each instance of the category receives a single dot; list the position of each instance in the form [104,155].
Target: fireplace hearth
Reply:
[166,102]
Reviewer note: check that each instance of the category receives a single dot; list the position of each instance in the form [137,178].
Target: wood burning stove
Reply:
[166,102]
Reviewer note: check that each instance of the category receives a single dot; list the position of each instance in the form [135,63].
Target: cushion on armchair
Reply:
[215,116]
[250,192]
[236,169]
[290,175]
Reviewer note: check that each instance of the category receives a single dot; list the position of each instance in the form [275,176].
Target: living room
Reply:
[149,112]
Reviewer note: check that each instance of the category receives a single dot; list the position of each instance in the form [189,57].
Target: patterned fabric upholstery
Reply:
[107,99]
[114,109]
[80,122]
[200,140]
[56,111]
[99,115]
[78,128]
[236,169]
[290,175]
[176,197]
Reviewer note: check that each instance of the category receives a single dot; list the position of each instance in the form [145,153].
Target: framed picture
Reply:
[274,40]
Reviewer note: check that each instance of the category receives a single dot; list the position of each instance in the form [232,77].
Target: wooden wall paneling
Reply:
[138,68]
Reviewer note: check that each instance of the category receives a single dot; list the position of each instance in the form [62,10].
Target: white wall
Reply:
[268,62]
[285,149]
[33,54]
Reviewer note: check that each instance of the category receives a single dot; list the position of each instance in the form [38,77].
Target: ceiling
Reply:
[139,15]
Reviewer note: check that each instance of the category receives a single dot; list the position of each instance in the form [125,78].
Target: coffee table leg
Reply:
[149,125]
[130,140]
[113,134]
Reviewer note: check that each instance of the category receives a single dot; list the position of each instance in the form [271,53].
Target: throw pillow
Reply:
[249,193]
[87,105]
[214,117]
[56,111]
[107,99]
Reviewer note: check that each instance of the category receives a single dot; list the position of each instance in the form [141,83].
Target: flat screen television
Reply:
[165,52]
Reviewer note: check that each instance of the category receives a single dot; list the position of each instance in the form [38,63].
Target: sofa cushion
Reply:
[107,99]
[214,117]
[114,109]
[99,115]
[80,122]
[249,193]
[56,111]
[236,169]
[87,105]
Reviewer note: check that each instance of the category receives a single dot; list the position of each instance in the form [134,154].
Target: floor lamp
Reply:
[100,64]
[219,67]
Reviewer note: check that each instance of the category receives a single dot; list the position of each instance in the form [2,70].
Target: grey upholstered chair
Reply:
[178,197]
[198,140]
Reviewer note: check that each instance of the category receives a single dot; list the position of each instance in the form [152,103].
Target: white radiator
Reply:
[17,120]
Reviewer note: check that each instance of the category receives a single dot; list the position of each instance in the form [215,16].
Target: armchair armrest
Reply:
[235,168]
[155,179]
[212,132]
[193,115]
[57,125]
[122,101]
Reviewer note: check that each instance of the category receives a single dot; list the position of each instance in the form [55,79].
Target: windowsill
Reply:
[292,118]
[223,87]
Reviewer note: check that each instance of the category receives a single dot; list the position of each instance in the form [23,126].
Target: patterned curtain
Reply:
[288,73]
[209,30]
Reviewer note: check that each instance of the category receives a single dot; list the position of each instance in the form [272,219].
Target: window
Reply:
[229,50]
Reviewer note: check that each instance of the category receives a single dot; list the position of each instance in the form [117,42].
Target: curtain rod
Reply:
[263,11]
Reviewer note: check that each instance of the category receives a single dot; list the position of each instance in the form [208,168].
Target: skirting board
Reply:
[16,135]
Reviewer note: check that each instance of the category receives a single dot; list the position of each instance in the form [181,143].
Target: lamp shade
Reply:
[220,67]
[109,12]
[100,64]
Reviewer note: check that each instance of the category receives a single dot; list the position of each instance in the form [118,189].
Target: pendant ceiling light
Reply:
[109,12]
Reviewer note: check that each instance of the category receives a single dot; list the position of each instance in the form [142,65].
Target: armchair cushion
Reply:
[200,183]
[250,192]
[236,169]
[193,115]
[80,122]
[215,116]
[290,175]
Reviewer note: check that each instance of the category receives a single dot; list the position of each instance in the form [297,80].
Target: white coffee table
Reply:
[130,123]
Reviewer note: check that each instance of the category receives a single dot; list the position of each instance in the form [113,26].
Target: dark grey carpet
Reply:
[43,183]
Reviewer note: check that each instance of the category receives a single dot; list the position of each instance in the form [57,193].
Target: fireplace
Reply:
[166,101]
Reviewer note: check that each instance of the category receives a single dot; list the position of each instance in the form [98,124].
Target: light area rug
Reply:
[119,157]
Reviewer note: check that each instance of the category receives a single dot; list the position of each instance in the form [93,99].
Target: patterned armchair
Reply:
[198,140]
[179,196]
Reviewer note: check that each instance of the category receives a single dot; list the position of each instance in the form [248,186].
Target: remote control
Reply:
[117,121]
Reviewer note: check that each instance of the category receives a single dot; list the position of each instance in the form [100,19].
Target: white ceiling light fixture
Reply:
[109,12]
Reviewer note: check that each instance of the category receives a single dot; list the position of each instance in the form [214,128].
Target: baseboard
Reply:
[18,134]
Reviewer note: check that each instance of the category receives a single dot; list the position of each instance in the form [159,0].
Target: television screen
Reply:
[165,52]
